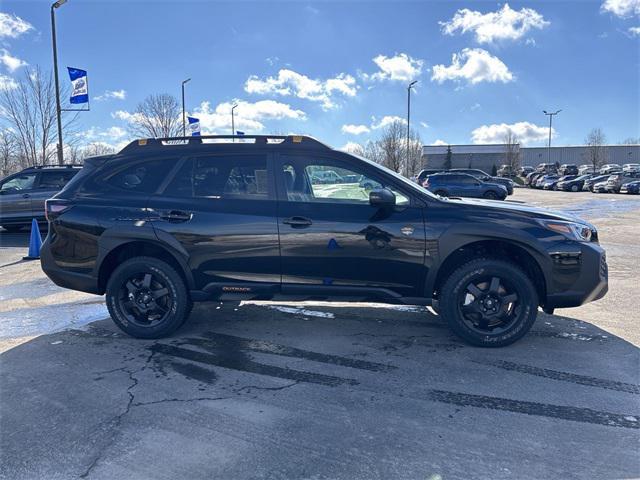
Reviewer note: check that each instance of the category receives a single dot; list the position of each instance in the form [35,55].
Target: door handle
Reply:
[297,222]
[176,216]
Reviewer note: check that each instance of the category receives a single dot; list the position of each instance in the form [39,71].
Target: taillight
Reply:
[54,207]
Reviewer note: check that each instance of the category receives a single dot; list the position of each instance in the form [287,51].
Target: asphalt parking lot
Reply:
[314,391]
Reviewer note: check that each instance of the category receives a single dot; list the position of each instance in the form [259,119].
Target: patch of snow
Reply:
[301,311]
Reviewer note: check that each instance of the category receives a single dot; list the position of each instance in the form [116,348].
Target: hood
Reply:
[508,206]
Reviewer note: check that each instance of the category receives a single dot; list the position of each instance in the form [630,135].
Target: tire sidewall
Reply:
[177,290]
[459,280]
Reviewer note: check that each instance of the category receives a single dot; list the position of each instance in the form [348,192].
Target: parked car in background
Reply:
[22,195]
[632,188]
[463,185]
[543,178]
[590,182]
[600,187]
[551,183]
[614,182]
[506,171]
[610,168]
[326,177]
[526,170]
[631,167]
[547,168]
[568,169]
[574,184]
[532,178]
[485,177]
[587,169]
[425,173]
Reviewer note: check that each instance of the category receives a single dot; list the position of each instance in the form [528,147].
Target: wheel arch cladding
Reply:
[464,251]
[138,248]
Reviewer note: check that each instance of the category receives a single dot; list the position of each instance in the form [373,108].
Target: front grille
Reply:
[603,266]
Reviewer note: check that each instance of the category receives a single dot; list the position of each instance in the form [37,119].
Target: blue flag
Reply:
[79,86]
[238,132]
[194,126]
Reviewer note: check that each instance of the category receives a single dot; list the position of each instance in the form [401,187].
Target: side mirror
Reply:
[382,198]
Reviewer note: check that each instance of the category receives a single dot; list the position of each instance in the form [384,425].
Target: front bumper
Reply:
[580,275]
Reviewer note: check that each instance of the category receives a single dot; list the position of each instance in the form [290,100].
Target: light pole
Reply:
[54,6]
[233,125]
[550,114]
[184,118]
[406,171]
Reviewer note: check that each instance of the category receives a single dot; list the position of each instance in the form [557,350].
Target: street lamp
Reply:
[408,125]
[54,6]
[233,125]
[184,119]
[550,114]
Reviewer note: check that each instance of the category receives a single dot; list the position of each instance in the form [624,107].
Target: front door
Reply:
[221,209]
[330,236]
[15,198]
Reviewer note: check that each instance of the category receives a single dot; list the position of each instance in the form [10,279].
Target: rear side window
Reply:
[55,180]
[142,177]
[228,177]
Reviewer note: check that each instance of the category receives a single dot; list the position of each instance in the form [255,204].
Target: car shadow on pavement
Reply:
[317,391]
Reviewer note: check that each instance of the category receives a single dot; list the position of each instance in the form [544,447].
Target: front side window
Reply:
[19,183]
[222,177]
[324,182]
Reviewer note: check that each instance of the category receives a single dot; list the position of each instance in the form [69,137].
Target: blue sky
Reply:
[339,70]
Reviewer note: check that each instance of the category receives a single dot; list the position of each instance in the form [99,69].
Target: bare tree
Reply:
[511,151]
[631,141]
[28,108]
[8,155]
[413,160]
[158,115]
[97,148]
[392,143]
[596,149]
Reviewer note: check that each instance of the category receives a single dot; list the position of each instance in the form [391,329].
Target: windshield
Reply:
[406,182]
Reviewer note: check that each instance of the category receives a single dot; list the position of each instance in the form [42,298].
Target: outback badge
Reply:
[407,230]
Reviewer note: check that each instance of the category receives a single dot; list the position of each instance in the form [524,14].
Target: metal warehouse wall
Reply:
[485,156]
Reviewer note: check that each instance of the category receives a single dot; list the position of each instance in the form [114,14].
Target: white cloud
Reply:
[621,8]
[439,142]
[355,129]
[400,67]
[504,24]
[474,65]
[248,116]
[296,84]
[12,26]
[12,63]
[424,124]
[7,83]
[351,147]
[386,121]
[98,134]
[117,94]
[634,31]
[525,132]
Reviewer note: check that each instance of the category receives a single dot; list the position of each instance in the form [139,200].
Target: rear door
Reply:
[221,209]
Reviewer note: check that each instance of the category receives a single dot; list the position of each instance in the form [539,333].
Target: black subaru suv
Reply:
[166,222]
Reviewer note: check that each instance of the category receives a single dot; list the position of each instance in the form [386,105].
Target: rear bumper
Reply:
[580,276]
[65,278]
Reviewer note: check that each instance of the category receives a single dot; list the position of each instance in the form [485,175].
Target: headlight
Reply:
[572,230]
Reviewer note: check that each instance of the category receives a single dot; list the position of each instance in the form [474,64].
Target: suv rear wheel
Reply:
[147,298]
[489,303]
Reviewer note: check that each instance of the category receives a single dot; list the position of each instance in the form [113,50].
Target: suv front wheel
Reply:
[147,298]
[488,302]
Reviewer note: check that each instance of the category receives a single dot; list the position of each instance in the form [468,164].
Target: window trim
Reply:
[311,158]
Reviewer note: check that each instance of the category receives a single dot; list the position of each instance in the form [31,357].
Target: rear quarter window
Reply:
[143,177]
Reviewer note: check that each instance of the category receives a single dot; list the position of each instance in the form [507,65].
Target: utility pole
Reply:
[184,118]
[550,114]
[233,125]
[406,168]
[54,6]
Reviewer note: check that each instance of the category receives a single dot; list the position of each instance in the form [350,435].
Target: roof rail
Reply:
[298,140]
[53,165]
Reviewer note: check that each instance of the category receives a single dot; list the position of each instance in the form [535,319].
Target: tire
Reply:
[13,228]
[465,308]
[441,193]
[574,188]
[135,282]
[490,195]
